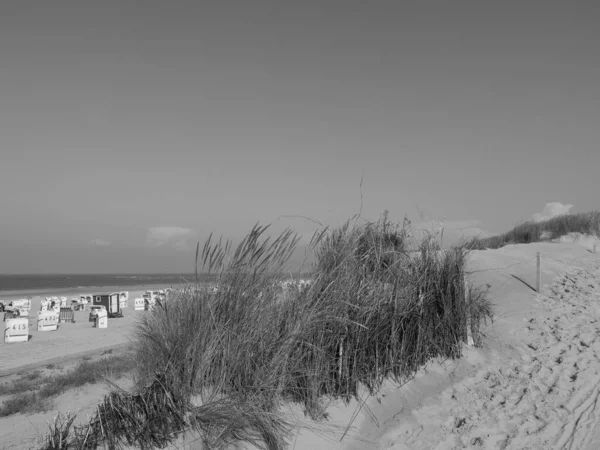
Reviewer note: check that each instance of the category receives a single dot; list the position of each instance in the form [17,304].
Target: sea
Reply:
[39,284]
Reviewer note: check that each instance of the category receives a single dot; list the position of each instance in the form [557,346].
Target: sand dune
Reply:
[534,385]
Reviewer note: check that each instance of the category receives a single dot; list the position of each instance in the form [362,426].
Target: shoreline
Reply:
[79,290]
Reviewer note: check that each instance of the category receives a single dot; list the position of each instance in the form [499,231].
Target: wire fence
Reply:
[538,260]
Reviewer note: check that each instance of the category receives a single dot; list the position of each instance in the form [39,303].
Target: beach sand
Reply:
[63,348]
[534,384]
[70,340]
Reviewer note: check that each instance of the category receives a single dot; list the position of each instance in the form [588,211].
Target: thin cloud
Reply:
[171,236]
[552,210]
[99,243]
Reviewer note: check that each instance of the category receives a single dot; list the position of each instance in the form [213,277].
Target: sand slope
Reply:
[534,385]
[20,432]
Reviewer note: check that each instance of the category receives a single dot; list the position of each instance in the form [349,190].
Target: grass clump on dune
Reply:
[528,232]
[228,361]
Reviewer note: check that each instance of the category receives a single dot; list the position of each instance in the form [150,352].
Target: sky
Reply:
[129,131]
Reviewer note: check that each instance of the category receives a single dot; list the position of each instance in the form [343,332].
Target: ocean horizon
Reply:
[26,282]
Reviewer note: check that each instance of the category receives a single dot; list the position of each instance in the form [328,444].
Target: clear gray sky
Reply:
[128,130]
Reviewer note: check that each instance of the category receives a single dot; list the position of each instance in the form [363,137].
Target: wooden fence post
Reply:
[538,285]
[470,341]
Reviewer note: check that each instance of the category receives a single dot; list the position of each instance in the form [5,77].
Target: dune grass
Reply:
[28,382]
[223,364]
[528,232]
[35,392]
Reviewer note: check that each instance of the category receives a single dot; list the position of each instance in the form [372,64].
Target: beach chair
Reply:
[76,305]
[115,315]
[94,312]
[66,315]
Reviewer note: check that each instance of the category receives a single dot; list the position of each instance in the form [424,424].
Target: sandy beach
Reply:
[71,339]
[415,160]
[534,383]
